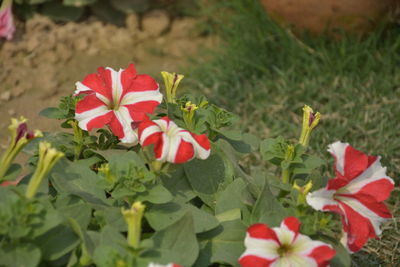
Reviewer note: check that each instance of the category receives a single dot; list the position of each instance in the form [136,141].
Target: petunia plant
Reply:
[141,178]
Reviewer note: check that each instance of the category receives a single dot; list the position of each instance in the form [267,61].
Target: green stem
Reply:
[286,176]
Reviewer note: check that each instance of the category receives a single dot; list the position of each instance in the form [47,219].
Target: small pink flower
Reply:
[7,26]
[357,194]
[120,99]
[283,246]
[171,143]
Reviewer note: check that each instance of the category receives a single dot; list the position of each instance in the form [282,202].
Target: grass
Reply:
[265,74]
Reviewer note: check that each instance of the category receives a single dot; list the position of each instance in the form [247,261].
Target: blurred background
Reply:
[262,59]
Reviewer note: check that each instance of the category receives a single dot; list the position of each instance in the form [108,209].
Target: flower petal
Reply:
[184,153]
[94,118]
[121,126]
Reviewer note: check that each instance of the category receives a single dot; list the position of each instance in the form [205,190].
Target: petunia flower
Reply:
[357,194]
[120,99]
[171,143]
[7,27]
[283,246]
[151,264]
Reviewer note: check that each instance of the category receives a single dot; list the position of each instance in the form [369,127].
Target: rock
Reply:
[5,96]
[155,22]
[132,23]
[81,43]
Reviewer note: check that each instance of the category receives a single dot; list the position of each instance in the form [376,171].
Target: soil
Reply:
[45,59]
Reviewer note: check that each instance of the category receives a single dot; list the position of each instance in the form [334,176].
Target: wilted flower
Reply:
[171,143]
[171,81]
[356,193]
[20,137]
[7,26]
[188,113]
[120,99]
[283,246]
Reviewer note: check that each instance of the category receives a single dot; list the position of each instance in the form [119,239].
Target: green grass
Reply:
[266,75]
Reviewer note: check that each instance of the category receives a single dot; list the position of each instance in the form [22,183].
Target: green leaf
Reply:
[78,3]
[178,185]
[12,172]
[57,242]
[274,149]
[106,12]
[52,113]
[267,208]
[57,11]
[161,216]
[112,217]
[129,6]
[206,177]
[176,243]
[227,243]
[22,255]
[229,198]
[156,194]
[77,179]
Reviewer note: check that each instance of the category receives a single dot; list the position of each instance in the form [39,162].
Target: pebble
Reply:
[5,96]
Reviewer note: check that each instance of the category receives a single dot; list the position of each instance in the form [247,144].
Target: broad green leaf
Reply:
[12,173]
[57,242]
[57,11]
[267,208]
[106,12]
[229,215]
[112,217]
[78,179]
[22,255]
[230,197]
[52,113]
[206,177]
[78,3]
[80,212]
[161,216]
[156,194]
[178,185]
[129,6]
[224,244]
[176,243]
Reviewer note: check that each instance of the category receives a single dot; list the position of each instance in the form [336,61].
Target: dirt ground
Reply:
[45,59]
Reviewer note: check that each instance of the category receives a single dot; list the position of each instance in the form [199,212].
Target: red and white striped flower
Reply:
[171,143]
[151,264]
[283,246]
[120,99]
[357,194]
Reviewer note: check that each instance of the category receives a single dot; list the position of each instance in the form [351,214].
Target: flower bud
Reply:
[188,114]
[171,81]
[48,157]
[133,218]
[303,191]
[310,121]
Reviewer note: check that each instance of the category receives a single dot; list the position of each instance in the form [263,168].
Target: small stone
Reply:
[5,96]
[81,44]
[11,112]
[132,23]
[155,22]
